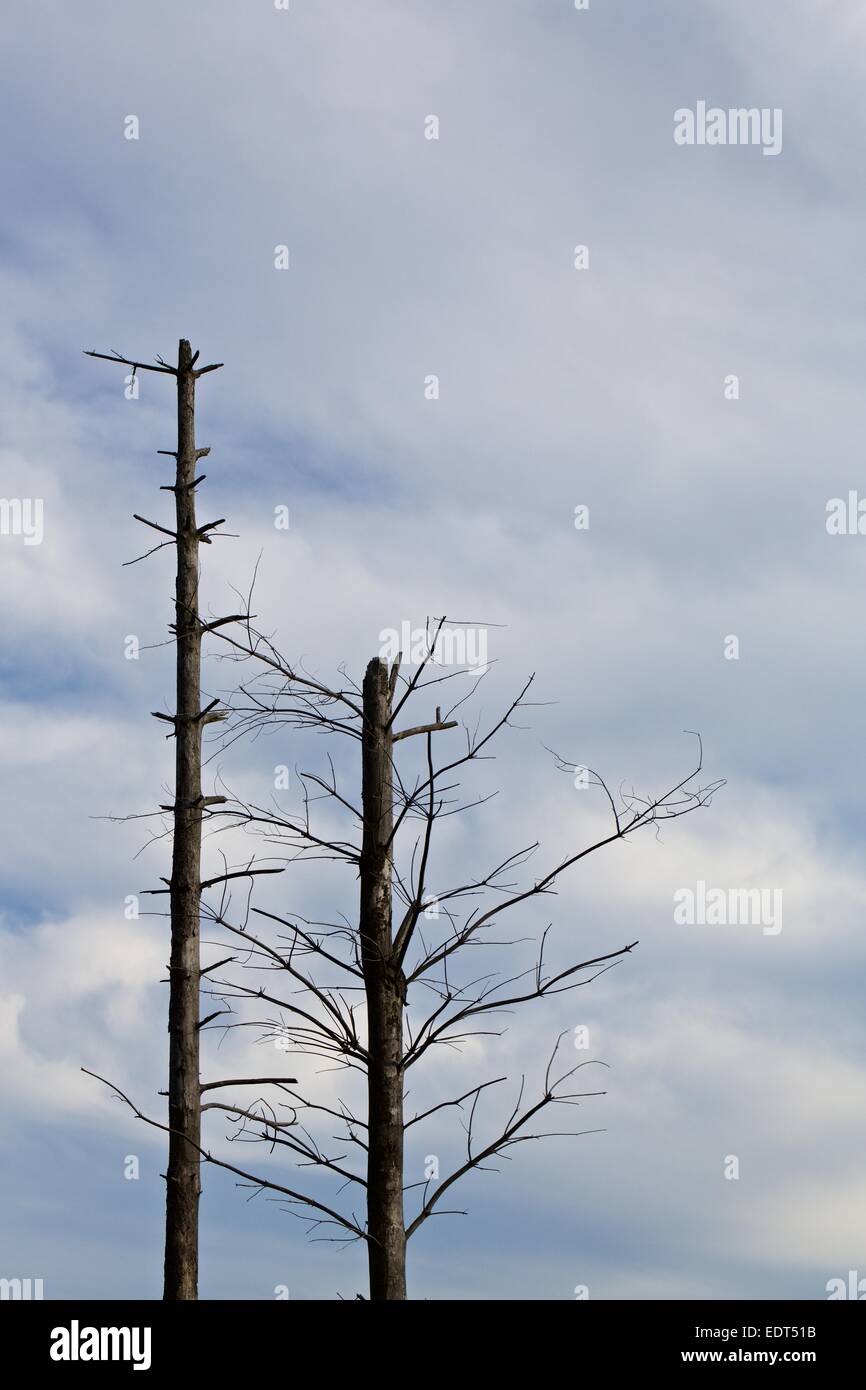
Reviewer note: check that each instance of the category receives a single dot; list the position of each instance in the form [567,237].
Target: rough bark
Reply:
[385,988]
[183,1178]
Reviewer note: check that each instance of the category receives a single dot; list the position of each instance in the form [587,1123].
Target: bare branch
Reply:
[265,1184]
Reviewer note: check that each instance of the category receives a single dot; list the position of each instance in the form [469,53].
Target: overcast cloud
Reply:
[559,387]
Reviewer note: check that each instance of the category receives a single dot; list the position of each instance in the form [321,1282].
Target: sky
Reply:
[696,385]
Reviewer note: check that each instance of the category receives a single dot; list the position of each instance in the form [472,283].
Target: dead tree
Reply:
[183,1184]
[385,960]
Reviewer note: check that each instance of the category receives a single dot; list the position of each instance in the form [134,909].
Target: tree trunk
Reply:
[386,994]
[183,1179]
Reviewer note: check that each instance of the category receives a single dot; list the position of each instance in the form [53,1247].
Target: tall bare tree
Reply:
[183,1184]
[385,958]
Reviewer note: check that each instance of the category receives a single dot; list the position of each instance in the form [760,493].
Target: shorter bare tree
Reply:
[403,987]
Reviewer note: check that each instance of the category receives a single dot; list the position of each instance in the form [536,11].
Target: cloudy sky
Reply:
[602,387]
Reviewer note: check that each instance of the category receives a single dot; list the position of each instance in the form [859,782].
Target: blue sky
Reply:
[602,387]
